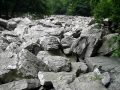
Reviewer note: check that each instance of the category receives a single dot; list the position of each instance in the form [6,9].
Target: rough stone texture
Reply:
[67,42]
[79,46]
[111,65]
[67,51]
[106,47]
[106,78]
[13,47]
[29,65]
[11,25]
[3,23]
[61,80]
[33,46]
[25,84]
[57,63]
[80,67]
[50,43]
[87,82]
[51,46]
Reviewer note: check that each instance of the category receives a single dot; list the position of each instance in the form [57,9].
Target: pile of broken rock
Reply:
[56,53]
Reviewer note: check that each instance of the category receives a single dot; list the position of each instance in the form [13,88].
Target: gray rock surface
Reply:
[87,82]
[111,65]
[57,63]
[61,51]
[107,46]
[25,84]
[50,43]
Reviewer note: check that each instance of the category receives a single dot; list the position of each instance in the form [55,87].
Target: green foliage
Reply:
[11,8]
[57,6]
[116,50]
[79,7]
[109,9]
[70,7]
[106,9]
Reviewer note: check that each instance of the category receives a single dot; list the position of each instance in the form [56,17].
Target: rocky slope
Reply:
[56,53]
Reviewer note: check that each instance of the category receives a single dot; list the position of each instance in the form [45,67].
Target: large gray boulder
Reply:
[111,65]
[29,65]
[87,82]
[88,43]
[57,63]
[25,84]
[79,46]
[21,65]
[108,46]
[61,80]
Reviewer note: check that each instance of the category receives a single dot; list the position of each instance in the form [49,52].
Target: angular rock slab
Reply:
[28,64]
[57,63]
[25,84]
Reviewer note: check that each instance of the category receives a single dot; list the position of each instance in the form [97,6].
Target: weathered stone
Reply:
[79,67]
[67,42]
[111,65]
[57,63]
[87,82]
[67,51]
[29,65]
[106,78]
[79,46]
[50,43]
[13,47]
[25,84]
[61,80]
[76,33]
[11,25]
[4,43]
[3,23]
[93,45]
[33,46]
[107,47]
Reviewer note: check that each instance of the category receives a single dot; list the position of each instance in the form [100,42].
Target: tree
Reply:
[12,8]
[79,7]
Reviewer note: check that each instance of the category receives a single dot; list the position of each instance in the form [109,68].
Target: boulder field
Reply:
[57,53]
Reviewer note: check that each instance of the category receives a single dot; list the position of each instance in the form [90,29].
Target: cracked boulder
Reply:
[79,46]
[50,43]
